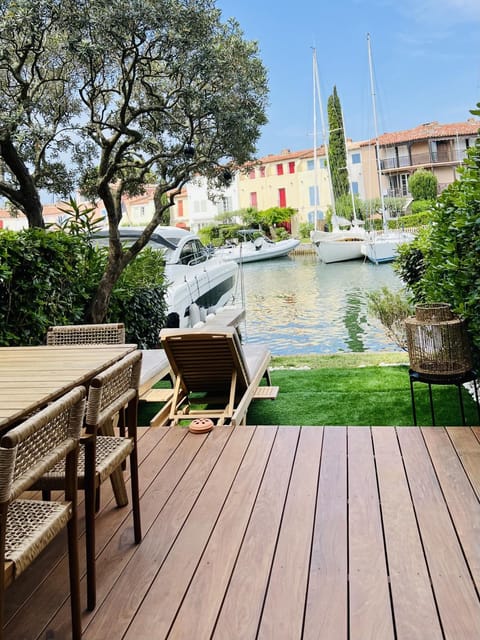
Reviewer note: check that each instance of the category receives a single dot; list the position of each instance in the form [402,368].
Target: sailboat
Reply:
[338,245]
[382,247]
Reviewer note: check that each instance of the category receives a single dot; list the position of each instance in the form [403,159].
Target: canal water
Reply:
[299,305]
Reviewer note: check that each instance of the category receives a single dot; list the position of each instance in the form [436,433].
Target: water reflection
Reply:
[300,305]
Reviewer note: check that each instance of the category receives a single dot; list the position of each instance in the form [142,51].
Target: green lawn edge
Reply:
[340,360]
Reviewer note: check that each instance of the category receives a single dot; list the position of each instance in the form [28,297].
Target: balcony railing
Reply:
[421,159]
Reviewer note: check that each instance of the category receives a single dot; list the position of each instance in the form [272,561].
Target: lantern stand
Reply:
[458,381]
[439,353]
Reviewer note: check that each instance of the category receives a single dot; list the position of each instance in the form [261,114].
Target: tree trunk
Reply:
[26,197]
[99,305]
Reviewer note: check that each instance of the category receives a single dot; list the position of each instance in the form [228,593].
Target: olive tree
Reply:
[38,103]
[151,91]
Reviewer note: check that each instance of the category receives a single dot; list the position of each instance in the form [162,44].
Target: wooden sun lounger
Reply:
[214,363]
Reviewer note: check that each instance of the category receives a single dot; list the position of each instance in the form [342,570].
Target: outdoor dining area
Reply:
[244,531]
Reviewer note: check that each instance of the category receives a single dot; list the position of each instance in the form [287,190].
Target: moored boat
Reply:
[197,279]
[254,246]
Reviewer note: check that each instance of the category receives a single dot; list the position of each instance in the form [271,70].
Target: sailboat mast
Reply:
[315,159]
[324,132]
[377,145]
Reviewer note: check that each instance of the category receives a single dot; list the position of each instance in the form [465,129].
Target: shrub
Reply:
[420,206]
[304,229]
[411,220]
[423,185]
[451,270]
[45,279]
[391,308]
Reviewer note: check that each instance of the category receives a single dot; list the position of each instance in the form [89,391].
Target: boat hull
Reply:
[384,248]
[251,252]
[338,246]
[209,289]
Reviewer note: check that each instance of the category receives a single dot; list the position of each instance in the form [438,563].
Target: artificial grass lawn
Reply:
[349,394]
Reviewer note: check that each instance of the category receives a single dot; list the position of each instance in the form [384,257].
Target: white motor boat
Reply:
[254,246]
[198,280]
[383,247]
[339,246]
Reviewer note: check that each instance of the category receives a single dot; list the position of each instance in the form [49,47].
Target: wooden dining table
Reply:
[31,377]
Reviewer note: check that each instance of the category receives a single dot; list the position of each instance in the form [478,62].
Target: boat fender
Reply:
[194,313]
[173,320]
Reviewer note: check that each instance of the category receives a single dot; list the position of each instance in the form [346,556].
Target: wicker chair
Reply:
[102,455]
[48,438]
[75,334]
[113,333]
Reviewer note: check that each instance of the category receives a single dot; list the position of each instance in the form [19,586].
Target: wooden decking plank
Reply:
[467,447]
[463,504]
[216,565]
[175,570]
[370,607]
[326,614]
[415,613]
[456,599]
[243,603]
[112,526]
[22,588]
[168,502]
[285,602]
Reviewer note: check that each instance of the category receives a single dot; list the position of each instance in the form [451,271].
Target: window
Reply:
[355,188]
[311,196]
[262,172]
[356,158]
[251,174]
[282,198]
[310,165]
[180,208]
[279,169]
[253,199]
[291,167]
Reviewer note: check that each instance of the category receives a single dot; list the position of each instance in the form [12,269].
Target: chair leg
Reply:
[90,493]
[46,493]
[119,489]
[74,576]
[137,527]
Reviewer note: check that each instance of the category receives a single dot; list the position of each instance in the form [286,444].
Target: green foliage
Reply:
[138,299]
[391,308]
[305,229]
[337,152]
[423,185]
[451,246]
[410,220]
[45,279]
[121,94]
[344,206]
[421,206]
[268,221]
[78,221]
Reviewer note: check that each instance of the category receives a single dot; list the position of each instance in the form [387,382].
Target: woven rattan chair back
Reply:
[109,333]
[27,452]
[103,454]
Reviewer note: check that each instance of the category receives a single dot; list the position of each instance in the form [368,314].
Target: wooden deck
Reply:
[282,533]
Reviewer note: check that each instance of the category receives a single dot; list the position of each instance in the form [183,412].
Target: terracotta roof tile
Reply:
[427,131]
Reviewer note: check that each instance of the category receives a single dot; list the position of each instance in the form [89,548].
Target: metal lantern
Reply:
[437,341]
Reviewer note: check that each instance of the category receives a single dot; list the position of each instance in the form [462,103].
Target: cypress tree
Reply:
[337,153]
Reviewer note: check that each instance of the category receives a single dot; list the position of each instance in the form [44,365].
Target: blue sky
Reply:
[426,57]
